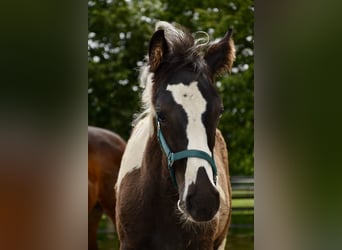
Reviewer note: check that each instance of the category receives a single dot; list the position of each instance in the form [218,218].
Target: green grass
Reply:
[243,203]
[242,192]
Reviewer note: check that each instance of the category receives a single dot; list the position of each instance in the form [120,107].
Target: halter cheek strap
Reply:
[172,157]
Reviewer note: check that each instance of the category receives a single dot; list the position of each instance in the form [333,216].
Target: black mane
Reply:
[184,55]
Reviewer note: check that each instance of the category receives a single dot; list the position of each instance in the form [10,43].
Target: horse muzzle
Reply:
[202,200]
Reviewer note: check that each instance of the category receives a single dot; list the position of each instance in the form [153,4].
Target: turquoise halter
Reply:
[172,157]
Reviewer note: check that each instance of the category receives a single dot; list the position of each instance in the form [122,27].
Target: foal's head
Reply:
[187,108]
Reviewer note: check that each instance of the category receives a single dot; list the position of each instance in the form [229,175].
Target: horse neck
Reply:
[154,167]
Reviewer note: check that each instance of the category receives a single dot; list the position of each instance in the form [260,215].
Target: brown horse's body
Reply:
[105,151]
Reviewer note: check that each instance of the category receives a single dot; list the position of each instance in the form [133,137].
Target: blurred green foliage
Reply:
[118,36]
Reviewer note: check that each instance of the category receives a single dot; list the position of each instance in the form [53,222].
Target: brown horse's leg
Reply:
[93,222]
[112,218]
[107,198]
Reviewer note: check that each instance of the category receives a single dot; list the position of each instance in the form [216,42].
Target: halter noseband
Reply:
[172,157]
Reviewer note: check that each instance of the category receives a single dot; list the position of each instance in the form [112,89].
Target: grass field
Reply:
[237,203]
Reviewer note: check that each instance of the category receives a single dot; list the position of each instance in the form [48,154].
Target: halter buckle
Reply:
[170,159]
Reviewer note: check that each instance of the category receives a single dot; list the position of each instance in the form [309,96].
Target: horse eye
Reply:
[161,116]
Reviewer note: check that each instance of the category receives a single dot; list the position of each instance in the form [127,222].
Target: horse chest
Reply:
[154,224]
[179,238]
[167,237]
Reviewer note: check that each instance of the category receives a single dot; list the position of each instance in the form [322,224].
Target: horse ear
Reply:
[221,55]
[157,50]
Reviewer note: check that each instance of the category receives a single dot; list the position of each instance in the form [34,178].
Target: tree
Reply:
[119,32]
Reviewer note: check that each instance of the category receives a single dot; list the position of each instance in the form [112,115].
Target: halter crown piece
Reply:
[172,157]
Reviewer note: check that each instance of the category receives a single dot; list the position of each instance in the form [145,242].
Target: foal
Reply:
[173,189]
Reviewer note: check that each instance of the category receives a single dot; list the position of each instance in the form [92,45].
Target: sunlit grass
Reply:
[243,203]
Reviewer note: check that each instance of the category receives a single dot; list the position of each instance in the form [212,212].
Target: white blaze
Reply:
[194,104]
[134,153]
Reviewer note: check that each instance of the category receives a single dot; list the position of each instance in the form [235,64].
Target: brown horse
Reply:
[105,151]
[173,188]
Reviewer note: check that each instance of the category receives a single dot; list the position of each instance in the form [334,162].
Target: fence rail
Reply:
[243,189]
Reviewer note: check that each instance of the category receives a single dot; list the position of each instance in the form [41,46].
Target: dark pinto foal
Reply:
[173,188]
[105,150]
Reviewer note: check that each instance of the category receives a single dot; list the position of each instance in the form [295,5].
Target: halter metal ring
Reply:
[171,159]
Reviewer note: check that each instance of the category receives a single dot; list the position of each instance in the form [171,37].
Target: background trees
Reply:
[119,32]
